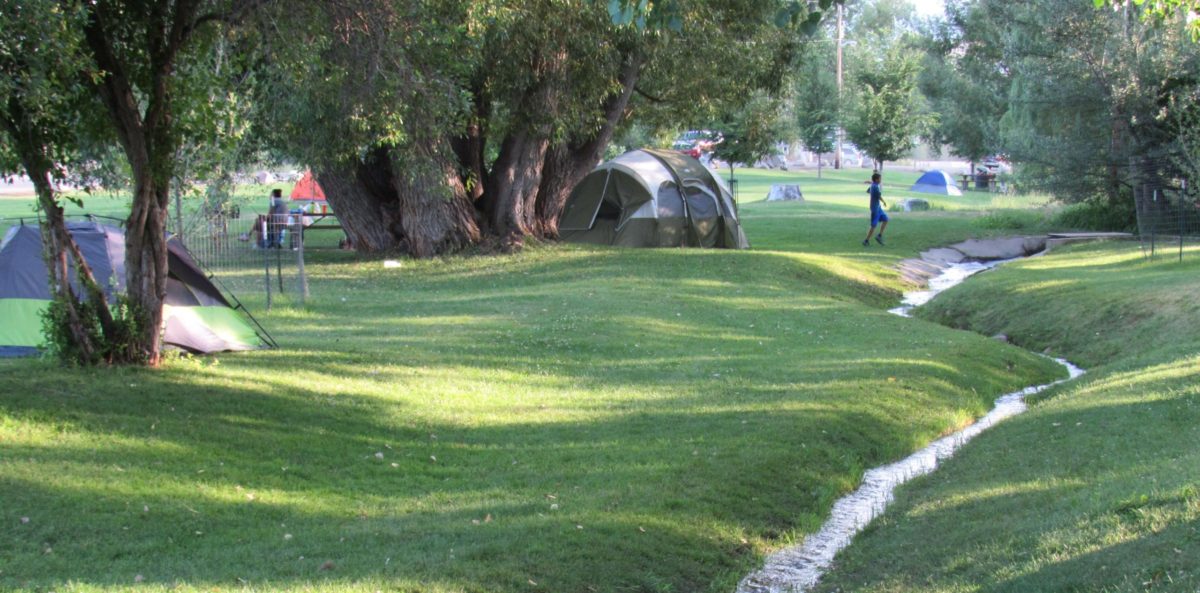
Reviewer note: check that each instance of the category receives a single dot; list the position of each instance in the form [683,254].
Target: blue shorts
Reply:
[878,216]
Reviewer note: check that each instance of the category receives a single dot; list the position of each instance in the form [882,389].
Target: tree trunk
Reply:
[512,187]
[566,166]
[368,218]
[146,268]
[470,147]
[58,244]
[436,215]
[510,199]
[149,142]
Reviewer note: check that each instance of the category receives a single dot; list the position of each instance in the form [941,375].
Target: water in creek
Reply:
[797,568]
[949,277]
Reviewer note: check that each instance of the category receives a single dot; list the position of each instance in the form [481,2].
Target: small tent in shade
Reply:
[652,198]
[936,182]
[307,189]
[196,317]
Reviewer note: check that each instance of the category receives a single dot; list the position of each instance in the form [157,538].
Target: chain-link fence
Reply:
[258,258]
[256,255]
[1168,217]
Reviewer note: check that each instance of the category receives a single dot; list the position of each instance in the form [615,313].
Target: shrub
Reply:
[1098,216]
[62,344]
[1005,220]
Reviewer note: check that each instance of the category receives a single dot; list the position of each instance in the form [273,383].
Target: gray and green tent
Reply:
[196,315]
[652,198]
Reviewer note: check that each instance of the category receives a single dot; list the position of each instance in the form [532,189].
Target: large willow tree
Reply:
[434,125]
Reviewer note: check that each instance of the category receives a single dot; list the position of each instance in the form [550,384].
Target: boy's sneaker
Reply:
[866,243]
[879,239]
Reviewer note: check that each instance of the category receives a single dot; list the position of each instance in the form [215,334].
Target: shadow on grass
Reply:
[228,486]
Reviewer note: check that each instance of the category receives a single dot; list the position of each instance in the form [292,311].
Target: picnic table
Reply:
[981,181]
[322,220]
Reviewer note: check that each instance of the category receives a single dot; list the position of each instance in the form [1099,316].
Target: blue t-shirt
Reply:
[876,196]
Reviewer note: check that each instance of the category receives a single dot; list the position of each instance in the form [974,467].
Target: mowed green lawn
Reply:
[566,419]
[1097,487]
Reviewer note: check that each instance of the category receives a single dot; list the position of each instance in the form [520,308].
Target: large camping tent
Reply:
[936,182]
[652,198]
[196,316]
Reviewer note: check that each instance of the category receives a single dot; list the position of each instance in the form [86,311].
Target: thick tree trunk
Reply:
[436,214]
[369,219]
[567,165]
[512,187]
[510,199]
[416,202]
[149,143]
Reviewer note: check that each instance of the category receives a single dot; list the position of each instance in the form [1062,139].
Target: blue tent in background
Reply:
[936,182]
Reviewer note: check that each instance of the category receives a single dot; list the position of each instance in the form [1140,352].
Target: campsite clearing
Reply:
[568,418]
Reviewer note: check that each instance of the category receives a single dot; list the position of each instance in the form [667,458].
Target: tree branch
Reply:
[649,97]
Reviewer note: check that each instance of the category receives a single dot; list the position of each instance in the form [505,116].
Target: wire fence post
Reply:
[299,237]
[266,261]
[1166,209]
[1182,213]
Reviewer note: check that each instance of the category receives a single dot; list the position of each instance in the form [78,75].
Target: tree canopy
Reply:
[1082,98]
[885,116]
[815,103]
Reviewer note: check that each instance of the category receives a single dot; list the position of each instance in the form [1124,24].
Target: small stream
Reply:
[951,276]
[797,568]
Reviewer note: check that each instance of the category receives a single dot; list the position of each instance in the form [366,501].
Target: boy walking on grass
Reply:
[877,213]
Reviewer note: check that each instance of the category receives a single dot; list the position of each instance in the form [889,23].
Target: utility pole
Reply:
[837,151]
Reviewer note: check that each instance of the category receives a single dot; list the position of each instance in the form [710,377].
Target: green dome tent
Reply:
[196,317]
[652,198]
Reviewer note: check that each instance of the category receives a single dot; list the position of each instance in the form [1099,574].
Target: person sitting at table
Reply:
[278,219]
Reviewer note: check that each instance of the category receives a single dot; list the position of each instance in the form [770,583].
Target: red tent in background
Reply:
[307,189]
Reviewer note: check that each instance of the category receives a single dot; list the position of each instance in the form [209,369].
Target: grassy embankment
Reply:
[566,419]
[1097,487]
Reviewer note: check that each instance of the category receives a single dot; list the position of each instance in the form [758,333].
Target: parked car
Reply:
[996,164]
